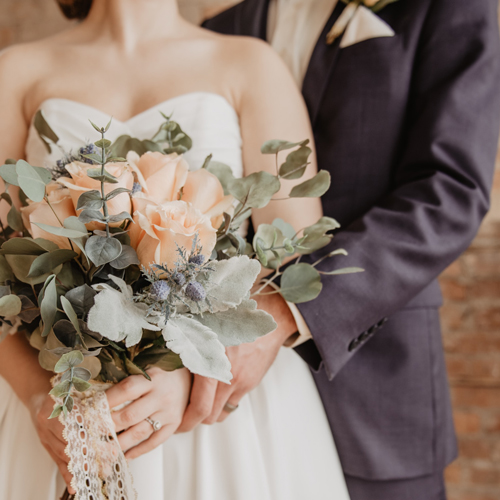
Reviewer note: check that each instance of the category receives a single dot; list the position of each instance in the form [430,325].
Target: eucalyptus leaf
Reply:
[312,188]
[286,229]
[95,173]
[296,163]
[6,273]
[22,246]
[60,389]
[48,306]
[49,261]
[120,217]
[81,298]
[21,264]
[14,219]
[82,373]
[316,237]
[69,360]
[134,369]
[90,215]
[44,130]
[30,181]
[270,236]
[300,283]
[198,347]
[10,305]
[180,150]
[345,270]
[102,250]
[80,384]
[94,157]
[70,313]
[116,192]
[223,172]
[127,258]
[61,231]
[56,411]
[275,146]
[255,190]
[103,143]
[90,199]
[8,174]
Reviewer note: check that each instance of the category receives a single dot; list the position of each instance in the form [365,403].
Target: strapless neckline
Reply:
[77,104]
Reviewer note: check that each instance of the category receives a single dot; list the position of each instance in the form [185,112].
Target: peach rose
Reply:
[159,229]
[204,191]
[161,176]
[40,212]
[80,183]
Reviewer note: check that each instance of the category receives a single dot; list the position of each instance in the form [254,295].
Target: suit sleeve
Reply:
[441,185]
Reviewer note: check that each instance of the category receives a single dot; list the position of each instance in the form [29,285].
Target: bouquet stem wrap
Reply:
[99,467]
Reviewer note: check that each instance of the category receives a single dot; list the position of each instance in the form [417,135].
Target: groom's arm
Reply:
[441,191]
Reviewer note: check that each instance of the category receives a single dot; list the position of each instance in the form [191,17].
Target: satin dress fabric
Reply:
[276,446]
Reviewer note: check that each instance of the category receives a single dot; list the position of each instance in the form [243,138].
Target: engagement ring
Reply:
[155,424]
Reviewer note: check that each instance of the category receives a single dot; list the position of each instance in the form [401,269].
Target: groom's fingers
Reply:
[200,403]
[223,395]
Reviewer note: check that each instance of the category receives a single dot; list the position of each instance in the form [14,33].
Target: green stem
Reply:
[104,204]
[58,219]
[267,283]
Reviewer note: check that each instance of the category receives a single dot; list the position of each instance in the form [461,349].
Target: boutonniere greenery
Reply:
[348,14]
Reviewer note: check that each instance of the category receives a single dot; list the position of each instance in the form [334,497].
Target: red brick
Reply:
[488,319]
[491,423]
[454,473]
[453,290]
[472,342]
[488,475]
[474,448]
[479,397]
[467,422]
[453,271]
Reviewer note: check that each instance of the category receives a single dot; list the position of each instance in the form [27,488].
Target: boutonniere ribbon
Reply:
[359,22]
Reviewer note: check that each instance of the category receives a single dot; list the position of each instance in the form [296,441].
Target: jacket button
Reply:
[364,336]
[372,329]
[353,345]
[382,322]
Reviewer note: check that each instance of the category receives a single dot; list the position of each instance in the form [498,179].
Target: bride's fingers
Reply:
[135,413]
[135,435]
[223,395]
[129,389]
[63,469]
[156,439]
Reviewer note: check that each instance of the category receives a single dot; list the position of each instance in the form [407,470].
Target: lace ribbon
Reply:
[99,467]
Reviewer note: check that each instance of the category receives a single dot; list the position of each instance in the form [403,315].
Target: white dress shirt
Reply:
[293,28]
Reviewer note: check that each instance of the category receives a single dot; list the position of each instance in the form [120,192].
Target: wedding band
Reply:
[156,425]
[229,408]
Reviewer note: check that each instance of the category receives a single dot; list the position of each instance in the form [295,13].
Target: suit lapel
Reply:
[321,66]
[251,19]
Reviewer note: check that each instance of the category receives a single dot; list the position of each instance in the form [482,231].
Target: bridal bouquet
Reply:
[122,259]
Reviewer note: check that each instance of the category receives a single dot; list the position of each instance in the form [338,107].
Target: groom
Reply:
[404,99]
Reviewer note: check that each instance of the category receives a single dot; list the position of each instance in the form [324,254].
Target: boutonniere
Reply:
[359,22]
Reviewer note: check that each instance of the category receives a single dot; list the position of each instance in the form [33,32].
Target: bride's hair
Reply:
[75,9]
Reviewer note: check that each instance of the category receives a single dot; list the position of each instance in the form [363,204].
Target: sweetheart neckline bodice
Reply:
[179,97]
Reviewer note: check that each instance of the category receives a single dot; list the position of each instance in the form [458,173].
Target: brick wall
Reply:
[470,315]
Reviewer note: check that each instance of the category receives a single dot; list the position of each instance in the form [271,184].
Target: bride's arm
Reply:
[18,360]
[270,107]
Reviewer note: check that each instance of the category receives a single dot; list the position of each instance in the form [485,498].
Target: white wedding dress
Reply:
[276,446]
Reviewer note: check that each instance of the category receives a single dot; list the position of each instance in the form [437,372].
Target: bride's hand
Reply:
[162,399]
[50,432]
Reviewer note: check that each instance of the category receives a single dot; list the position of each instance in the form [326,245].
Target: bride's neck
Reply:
[126,23]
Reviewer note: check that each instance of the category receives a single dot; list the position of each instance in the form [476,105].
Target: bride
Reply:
[131,59]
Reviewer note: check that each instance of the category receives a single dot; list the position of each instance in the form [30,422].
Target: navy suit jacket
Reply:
[408,127]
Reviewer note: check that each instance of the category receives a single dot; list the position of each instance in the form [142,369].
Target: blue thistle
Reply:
[195,291]
[179,279]
[87,150]
[136,188]
[198,259]
[160,290]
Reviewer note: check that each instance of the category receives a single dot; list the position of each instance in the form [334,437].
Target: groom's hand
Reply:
[249,364]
